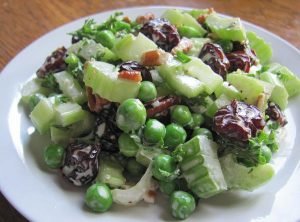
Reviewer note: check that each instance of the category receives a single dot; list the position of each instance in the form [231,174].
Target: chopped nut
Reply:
[154,58]
[142,19]
[95,102]
[184,45]
[126,19]
[131,75]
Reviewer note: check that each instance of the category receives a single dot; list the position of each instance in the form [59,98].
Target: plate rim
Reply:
[4,74]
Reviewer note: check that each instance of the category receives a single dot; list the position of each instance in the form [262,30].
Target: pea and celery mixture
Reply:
[187,105]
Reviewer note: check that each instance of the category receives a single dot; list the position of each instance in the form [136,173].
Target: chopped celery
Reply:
[223,100]
[226,28]
[200,166]
[32,87]
[42,115]
[103,79]
[68,113]
[247,178]
[262,49]
[88,49]
[229,90]
[180,19]
[110,172]
[290,81]
[132,48]
[70,87]
[60,135]
[251,89]
[279,94]
[183,84]
[199,70]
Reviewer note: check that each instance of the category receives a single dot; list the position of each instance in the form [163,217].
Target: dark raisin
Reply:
[213,55]
[53,63]
[238,121]
[106,131]
[241,57]
[75,39]
[239,60]
[81,163]
[275,114]
[135,66]
[162,32]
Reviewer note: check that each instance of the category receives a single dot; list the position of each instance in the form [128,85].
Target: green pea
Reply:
[154,131]
[202,131]
[98,197]
[267,153]
[226,45]
[167,187]
[189,32]
[197,120]
[182,204]
[120,25]
[135,168]
[127,145]
[53,155]
[164,167]
[72,59]
[175,135]
[106,38]
[181,115]
[147,91]
[131,115]
[34,100]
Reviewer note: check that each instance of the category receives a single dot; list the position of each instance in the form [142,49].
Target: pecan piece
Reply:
[142,19]
[184,45]
[95,102]
[154,58]
[160,105]
[131,75]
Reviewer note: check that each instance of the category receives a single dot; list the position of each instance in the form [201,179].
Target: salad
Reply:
[187,105]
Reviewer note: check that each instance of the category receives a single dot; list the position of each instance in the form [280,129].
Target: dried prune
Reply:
[53,63]
[106,131]
[81,163]
[213,55]
[275,114]
[162,32]
[135,66]
[239,60]
[238,121]
[241,57]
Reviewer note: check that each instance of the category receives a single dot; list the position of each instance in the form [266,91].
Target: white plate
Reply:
[42,195]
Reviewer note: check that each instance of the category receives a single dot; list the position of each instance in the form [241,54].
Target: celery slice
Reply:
[88,49]
[279,94]
[68,113]
[200,166]
[197,46]
[226,28]
[241,177]
[42,115]
[132,48]
[290,81]
[199,70]
[32,87]
[70,87]
[103,79]
[262,49]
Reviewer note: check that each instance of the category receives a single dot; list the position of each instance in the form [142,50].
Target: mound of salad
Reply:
[186,104]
